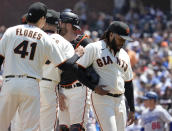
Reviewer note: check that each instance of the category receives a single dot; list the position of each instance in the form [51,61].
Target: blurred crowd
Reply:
[150,53]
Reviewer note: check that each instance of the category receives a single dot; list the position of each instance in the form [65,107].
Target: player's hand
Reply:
[131,118]
[79,51]
[99,90]
[62,103]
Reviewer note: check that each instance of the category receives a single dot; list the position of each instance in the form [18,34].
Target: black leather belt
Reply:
[71,86]
[19,76]
[46,79]
[114,95]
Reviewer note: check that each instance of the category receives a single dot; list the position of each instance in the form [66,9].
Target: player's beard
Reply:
[114,46]
[62,31]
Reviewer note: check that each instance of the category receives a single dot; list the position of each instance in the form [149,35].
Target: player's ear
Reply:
[42,18]
[111,35]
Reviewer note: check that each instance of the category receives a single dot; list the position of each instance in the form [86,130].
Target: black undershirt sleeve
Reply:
[129,94]
[84,78]
[1,61]
[80,72]
[68,65]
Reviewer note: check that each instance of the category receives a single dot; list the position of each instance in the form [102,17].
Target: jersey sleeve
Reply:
[3,43]
[165,116]
[128,75]
[55,53]
[89,55]
[64,45]
[68,49]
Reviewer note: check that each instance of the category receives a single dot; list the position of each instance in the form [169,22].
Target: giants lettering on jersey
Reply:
[107,60]
[28,33]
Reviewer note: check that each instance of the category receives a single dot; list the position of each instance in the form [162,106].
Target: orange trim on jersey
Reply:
[70,83]
[85,36]
[61,63]
[55,123]
[81,66]
[84,108]
[96,113]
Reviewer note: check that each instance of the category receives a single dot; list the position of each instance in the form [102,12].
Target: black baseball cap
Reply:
[36,11]
[121,29]
[52,17]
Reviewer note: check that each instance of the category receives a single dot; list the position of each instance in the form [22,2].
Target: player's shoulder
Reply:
[12,28]
[11,31]
[96,44]
[145,113]
[123,54]
[123,51]
[58,37]
[159,109]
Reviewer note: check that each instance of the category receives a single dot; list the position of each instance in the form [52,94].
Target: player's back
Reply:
[24,49]
[49,70]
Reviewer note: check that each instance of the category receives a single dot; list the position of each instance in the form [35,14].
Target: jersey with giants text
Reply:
[113,70]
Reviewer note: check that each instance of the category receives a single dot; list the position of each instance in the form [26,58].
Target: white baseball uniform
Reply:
[16,124]
[134,127]
[77,106]
[48,92]
[25,49]
[113,71]
[154,120]
[77,99]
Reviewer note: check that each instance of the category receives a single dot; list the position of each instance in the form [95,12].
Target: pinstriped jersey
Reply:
[155,120]
[26,48]
[113,70]
[49,70]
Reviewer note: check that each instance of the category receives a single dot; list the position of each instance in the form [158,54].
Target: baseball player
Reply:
[156,116]
[112,63]
[24,49]
[50,79]
[15,123]
[73,116]
[23,19]
[51,75]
